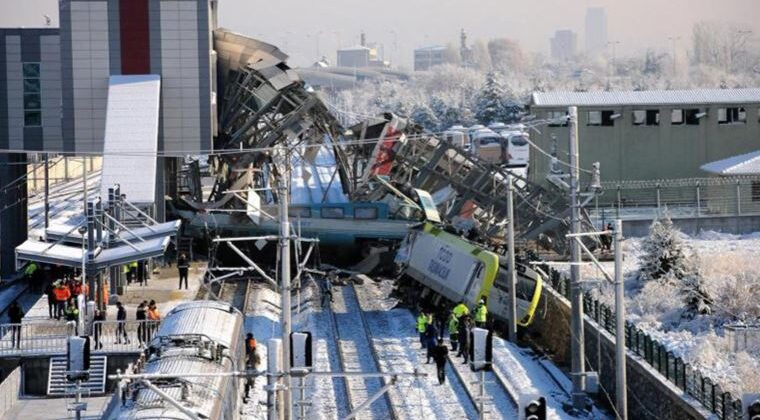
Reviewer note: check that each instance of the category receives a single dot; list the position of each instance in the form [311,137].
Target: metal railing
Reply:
[35,337]
[692,197]
[122,336]
[743,337]
[678,372]
[50,337]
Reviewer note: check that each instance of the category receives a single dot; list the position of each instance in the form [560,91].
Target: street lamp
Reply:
[673,40]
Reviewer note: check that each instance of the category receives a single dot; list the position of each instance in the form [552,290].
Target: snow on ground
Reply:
[357,354]
[729,267]
[398,347]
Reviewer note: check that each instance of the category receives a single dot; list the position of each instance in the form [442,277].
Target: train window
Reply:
[332,213]
[304,212]
[365,213]
[755,191]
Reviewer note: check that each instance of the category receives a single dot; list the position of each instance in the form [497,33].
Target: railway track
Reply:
[236,292]
[357,353]
[500,401]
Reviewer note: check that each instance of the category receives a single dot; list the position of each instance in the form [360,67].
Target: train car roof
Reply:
[203,393]
[215,320]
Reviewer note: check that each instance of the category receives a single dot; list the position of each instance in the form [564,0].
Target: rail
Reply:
[122,336]
[35,338]
[684,376]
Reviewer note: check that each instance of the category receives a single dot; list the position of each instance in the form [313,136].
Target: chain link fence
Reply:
[690,197]
[681,374]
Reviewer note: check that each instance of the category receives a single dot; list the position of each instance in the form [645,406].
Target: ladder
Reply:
[58,385]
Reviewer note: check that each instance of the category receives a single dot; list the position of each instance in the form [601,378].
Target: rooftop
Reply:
[647,97]
[431,48]
[746,164]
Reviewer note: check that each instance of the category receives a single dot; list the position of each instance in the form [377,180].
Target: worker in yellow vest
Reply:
[460,309]
[481,313]
[422,323]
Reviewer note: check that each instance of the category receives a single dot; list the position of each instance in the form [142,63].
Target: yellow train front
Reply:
[452,268]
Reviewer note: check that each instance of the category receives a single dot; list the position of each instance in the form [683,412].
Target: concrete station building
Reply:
[54,95]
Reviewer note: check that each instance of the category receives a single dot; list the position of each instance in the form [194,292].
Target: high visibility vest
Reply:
[481,312]
[461,309]
[453,326]
[422,321]
[62,294]
[250,344]
[30,269]
[153,315]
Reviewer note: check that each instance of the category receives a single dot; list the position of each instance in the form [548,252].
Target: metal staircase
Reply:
[58,385]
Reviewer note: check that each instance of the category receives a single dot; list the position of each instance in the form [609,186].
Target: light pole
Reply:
[613,69]
[673,40]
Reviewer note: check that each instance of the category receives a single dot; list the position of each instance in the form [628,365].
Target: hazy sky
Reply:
[296,25]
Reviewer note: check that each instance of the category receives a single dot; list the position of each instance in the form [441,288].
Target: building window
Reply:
[755,191]
[646,117]
[32,95]
[676,117]
[601,118]
[557,118]
[732,116]
[691,116]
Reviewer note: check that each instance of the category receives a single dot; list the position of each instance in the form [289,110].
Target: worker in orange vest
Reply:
[62,295]
[252,360]
[153,315]
[75,288]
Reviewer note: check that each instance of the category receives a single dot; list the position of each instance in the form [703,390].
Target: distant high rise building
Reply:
[427,57]
[564,45]
[596,30]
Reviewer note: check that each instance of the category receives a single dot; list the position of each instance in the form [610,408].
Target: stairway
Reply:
[58,385]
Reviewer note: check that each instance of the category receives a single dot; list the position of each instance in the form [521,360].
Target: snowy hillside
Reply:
[728,268]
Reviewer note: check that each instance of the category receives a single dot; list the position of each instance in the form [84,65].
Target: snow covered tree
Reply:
[663,252]
[695,296]
[489,100]
[424,116]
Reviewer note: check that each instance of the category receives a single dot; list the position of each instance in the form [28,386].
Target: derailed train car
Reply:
[194,337]
[458,270]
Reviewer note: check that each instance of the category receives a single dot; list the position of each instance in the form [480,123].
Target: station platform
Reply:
[56,408]
[40,335]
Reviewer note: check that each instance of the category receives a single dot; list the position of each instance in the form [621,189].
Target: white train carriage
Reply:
[194,337]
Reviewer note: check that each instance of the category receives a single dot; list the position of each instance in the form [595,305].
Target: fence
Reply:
[743,336]
[681,374]
[122,336]
[50,337]
[692,197]
[35,337]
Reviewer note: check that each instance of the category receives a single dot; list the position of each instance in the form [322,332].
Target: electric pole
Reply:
[512,269]
[620,381]
[576,300]
[282,196]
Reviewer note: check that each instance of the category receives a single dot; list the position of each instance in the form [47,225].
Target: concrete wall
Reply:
[650,395]
[629,152]
[9,391]
[180,51]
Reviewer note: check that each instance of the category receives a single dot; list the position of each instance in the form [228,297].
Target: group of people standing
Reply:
[62,298]
[458,323]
